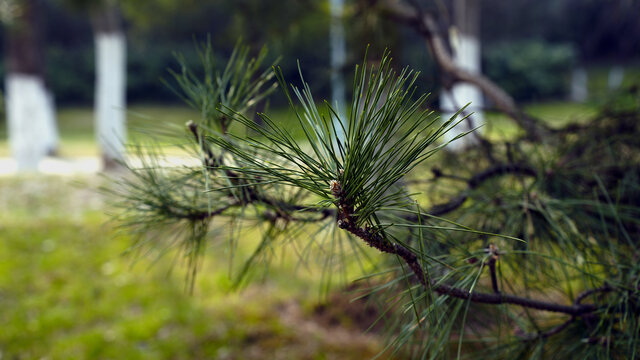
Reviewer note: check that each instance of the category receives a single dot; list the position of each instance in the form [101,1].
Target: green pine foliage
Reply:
[504,251]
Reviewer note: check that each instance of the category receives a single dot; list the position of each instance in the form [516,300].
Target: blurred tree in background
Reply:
[299,29]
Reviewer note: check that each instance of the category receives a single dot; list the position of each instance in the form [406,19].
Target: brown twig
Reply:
[202,215]
[211,163]
[209,160]
[493,258]
[501,169]
[548,333]
[583,295]
[282,211]
[449,206]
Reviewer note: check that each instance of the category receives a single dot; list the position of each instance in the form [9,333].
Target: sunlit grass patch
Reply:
[554,114]
[68,290]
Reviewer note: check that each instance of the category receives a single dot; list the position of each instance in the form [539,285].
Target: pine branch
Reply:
[386,135]
[374,238]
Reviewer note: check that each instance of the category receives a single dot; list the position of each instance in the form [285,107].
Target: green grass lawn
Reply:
[69,291]
[556,114]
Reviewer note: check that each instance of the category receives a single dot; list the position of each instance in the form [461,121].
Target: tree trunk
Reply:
[579,89]
[465,44]
[30,108]
[616,76]
[110,102]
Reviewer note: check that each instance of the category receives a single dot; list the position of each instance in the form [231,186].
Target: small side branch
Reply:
[548,333]
[585,294]
[501,169]
[475,181]
[202,215]
[209,159]
[449,206]
[493,258]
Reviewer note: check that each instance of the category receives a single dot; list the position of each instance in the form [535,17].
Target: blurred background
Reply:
[540,52]
[80,75]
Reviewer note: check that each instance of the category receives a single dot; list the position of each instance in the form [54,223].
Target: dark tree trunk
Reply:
[25,53]
[106,18]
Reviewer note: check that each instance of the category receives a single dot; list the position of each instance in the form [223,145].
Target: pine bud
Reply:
[336,188]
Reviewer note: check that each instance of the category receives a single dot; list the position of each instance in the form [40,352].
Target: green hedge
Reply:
[71,73]
[530,70]
[527,70]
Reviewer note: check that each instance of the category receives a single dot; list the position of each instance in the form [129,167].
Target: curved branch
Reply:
[426,25]
[445,208]
[284,209]
[548,333]
[585,294]
[475,181]
[202,215]
[500,169]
